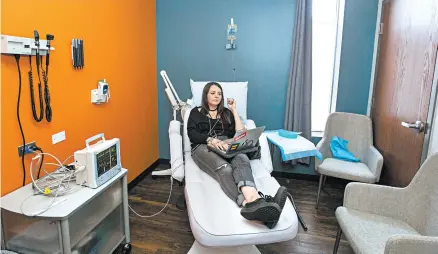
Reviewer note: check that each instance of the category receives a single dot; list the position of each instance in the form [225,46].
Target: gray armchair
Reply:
[358,131]
[380,219]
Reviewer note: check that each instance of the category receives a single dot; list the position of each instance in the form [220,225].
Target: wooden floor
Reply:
[169,232]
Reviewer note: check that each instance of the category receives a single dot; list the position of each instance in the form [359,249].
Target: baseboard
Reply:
[146,172]
[290,175]
[165,162]
[314,178]
[287,175]
[281,174]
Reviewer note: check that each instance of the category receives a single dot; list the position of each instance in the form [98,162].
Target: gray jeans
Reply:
[231,174]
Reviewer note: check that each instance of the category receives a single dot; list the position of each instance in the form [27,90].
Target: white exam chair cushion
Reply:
[215,219]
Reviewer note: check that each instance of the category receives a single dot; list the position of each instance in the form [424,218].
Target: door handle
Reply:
[418,125]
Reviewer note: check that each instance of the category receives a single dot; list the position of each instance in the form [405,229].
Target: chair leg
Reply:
[338,240]
[321,181]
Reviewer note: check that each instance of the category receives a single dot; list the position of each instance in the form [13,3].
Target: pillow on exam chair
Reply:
[235,90]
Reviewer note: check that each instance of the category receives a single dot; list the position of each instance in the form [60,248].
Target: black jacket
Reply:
[200,126]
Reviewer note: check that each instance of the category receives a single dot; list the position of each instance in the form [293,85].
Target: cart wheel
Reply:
[154,177]
[126,249]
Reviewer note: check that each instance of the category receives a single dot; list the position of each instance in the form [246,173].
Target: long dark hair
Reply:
[222,112]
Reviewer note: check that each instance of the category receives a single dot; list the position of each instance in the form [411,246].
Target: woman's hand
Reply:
[221,145]
[231,104]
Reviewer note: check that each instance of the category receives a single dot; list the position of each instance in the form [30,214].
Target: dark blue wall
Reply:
[191,38]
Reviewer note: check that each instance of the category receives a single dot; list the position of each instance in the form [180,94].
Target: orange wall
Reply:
[120,45]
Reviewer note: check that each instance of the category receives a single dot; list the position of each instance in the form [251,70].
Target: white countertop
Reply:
[73,201]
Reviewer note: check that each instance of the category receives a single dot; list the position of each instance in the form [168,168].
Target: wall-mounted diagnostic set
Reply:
[14,45]
[17,46]
[24,46]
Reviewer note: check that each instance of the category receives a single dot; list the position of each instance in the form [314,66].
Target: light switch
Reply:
[58,137]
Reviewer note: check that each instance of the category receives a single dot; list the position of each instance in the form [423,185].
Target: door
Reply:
[403,88]
[431,137]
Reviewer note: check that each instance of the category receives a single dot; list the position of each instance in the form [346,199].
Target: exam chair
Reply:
[215,219]
[357,129]
[381,219]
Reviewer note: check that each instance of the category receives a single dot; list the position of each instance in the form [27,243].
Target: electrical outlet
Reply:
[29,148]
[58,137]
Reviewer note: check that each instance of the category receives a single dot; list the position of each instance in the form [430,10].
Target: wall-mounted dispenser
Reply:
[101,94]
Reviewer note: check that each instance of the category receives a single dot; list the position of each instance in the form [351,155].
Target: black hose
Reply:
[32,96]
[17,58]
[47,94]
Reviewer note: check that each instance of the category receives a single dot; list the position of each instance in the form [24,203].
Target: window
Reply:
[327,21]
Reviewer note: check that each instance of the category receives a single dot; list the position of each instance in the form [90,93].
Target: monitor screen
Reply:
[106,160]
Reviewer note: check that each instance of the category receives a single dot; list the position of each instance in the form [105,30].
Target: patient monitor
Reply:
[101,161]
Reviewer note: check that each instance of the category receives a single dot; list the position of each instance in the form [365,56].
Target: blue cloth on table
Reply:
[293,148]
[288,134]
[338,147]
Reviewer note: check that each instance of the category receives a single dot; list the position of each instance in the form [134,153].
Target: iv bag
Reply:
[231,32]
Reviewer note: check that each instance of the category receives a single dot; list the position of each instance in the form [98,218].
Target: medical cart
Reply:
[85,221]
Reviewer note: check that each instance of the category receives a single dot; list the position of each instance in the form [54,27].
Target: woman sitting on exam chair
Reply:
[209,125]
